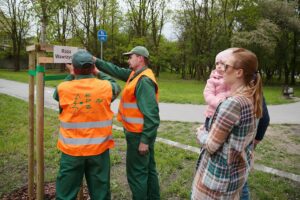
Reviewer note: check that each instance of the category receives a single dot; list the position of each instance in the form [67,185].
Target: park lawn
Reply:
[280,148]
[175,166]
[172,88]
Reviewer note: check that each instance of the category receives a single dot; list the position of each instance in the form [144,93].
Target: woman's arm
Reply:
[227,117]
[262,124]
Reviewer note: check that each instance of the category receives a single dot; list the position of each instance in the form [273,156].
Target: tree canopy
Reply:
[270,28]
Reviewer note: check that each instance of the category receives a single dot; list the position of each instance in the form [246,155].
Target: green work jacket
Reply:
[145,93]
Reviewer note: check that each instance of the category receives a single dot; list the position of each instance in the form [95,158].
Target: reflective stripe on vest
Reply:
[84,141]
[75,125]
[130,105]
[134,120]
[129,114]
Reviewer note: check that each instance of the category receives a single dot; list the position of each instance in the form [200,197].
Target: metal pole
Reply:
[31,127]
[101,50]
[40,131]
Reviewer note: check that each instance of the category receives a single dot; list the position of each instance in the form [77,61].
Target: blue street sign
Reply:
[102,35]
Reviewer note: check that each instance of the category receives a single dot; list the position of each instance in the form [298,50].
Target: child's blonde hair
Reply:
[223,55]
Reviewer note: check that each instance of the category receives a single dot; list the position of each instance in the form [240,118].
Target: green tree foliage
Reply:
[206,28]
[270,28]
[263,41]
[284,15]
[146,19]
[44,12]
[14,22]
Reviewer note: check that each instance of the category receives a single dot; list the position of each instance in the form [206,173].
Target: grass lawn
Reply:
[172,88]
[280,148]
[175,166]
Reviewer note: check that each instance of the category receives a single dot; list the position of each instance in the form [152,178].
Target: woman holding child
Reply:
[226,160]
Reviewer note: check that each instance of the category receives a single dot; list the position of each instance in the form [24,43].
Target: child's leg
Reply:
[200,157]
[206,123]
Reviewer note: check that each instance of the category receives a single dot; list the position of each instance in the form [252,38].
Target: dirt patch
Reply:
[118,177]
[280,148]
[49,193]
[285,137]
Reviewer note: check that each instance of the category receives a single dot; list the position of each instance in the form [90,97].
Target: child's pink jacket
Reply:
[214,92]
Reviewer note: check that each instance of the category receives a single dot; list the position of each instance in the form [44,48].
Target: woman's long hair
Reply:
[247,61]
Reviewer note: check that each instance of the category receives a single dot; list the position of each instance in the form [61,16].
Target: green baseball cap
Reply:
[139,50]
[81,57]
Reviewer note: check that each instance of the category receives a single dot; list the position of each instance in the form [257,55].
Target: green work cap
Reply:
[81,58]
[139,50]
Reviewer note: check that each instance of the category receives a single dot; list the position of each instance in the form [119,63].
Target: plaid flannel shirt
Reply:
[226,161]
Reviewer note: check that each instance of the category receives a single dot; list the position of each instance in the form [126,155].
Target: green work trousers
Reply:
[141,170]
[97,173]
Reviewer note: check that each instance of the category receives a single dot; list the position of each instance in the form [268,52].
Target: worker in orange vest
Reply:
[85,134]
[139,114]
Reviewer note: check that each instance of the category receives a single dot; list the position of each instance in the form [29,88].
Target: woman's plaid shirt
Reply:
[225,164]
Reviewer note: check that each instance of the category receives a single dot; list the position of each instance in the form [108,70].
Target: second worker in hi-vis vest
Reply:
[139,114]
[85,134]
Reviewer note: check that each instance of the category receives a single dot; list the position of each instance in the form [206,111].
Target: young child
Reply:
[214,92]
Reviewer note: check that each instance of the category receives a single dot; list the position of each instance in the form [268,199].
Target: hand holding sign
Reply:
[70,68]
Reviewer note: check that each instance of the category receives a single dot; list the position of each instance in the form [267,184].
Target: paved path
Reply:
[279,114]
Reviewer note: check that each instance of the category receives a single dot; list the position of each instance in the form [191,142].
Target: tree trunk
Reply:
[183,69]
[293,61]
[286,73]
[43,22]
[157,70]
[17,62]
[16,55]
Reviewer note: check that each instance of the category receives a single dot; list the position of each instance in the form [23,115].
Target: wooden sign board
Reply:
[63,54]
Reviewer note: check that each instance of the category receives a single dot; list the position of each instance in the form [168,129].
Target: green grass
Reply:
[279,149]
[175,166]
[268,187]
[172,88]
[183,132]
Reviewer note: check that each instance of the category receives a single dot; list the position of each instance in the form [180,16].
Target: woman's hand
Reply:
[199,130]
[202,135]
[256,143]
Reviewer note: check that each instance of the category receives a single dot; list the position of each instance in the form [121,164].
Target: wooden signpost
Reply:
[37,58]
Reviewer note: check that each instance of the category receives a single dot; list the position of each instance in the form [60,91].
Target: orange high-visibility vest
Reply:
[86,117]
[129,113]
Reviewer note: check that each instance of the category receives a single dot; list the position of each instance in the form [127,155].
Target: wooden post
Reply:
[38,51]
[31,126]
[40,128]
